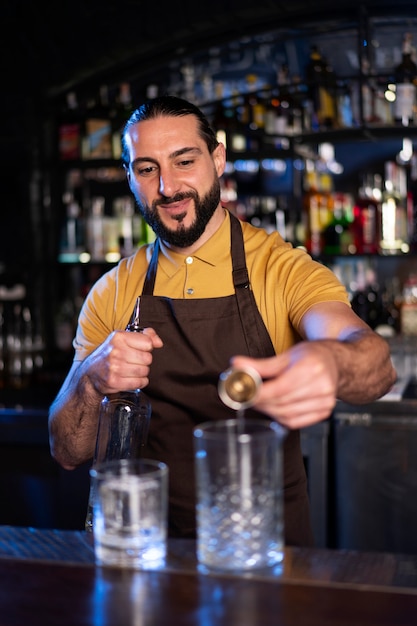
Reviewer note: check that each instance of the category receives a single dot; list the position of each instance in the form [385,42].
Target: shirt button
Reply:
[190,292]
[189,260]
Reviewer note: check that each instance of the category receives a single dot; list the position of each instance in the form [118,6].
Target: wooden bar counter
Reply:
[48,577]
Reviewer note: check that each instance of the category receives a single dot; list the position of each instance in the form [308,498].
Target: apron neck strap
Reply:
[240,272]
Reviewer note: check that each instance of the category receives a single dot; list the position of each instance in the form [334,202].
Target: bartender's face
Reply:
[173,177]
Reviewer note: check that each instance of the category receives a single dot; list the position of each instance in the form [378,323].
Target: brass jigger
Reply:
[238,388]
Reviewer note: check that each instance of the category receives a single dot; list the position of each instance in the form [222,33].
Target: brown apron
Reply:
[200,336]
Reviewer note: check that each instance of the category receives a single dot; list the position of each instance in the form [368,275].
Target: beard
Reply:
[182,237]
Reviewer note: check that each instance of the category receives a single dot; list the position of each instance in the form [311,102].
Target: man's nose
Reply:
[168,184]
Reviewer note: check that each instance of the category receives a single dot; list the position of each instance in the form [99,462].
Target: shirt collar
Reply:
[213,252]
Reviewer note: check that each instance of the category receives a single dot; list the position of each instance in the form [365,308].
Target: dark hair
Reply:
[169,106]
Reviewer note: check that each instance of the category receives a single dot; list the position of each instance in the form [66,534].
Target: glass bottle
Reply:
[97,139]
[394,227]
[123,424]
[69,130]
[367,215]
[322,87]
[318,208]
[406,81]
[337,236]
[121,114]
[409,307]
[367,299]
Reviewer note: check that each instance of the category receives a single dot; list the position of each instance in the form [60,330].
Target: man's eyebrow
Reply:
[186,150]
[173,155]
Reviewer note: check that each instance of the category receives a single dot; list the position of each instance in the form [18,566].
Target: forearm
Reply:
[363,363]
[73,419]
[302,384]
[122,361]
[358,356]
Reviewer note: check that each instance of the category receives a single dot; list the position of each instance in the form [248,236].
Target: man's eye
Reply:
[144,171]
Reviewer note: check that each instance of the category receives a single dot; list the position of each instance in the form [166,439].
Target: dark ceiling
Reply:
[47,48]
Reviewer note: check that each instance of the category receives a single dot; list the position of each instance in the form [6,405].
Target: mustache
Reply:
[177,198]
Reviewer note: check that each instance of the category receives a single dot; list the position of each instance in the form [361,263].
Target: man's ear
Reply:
[127,172]
[219,158]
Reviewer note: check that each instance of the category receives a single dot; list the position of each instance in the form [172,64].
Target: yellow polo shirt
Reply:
[285,281]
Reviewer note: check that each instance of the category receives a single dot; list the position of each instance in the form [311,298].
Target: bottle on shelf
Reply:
[254,107]
[391,301]
[338,237]
[70,130]
[124,211]
[344,107]
[317,207]
[251,113]
[123,424]
[229,130]
[120,116]
[412,204]
[97,138]
[20,346]
[367,215]
[321,83]
[280,102]
[406,82]
[72,239]
[408,315]
[95,229]
[394,221]
[362,95]
[366,300]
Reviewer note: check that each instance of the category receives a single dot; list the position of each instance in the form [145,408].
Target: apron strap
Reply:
[149,284]
[258,341]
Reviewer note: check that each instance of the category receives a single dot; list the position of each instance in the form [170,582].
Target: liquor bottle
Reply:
[367,215]
[120,116]
[124,212]
[70,130]
[337,236]
[318,209]
[367,300]
[252,113]
[95,229]
[72,236]
[222,119]
[394,226]
[321,83]
[408,312]
[276,116]
[406,81]
[310,213]
[253,109]
[123,424]
[278,110]
[96,141]
[412,205]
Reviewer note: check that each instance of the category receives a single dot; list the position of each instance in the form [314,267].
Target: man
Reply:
[212,290]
